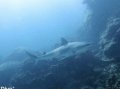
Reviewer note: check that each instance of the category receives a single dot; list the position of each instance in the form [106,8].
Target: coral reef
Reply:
[110,41]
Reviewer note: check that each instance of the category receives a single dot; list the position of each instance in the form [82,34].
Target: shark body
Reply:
[66,50]
[69,49]
[62,52]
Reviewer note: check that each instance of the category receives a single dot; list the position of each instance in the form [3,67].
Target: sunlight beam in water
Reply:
[35,23]
[16,4]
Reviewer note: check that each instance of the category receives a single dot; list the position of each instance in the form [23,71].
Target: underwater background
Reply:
[60,44]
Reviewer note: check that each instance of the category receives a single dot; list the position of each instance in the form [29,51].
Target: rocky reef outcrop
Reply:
[73,72]
[110,55]
[110,41]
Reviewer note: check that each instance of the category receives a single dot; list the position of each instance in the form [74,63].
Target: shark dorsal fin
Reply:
[63,41]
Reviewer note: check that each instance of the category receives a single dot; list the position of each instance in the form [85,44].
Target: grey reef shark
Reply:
[66,49]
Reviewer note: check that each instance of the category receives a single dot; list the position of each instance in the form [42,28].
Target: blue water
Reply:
[38,24]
